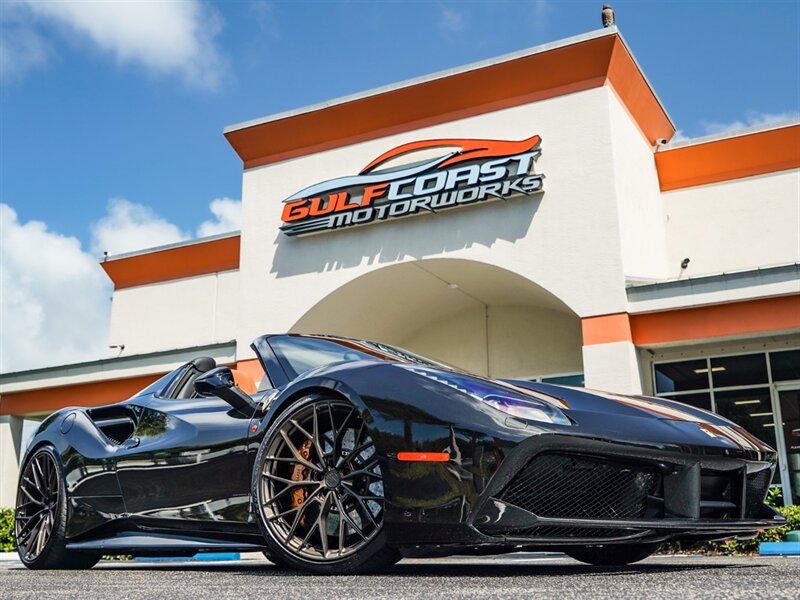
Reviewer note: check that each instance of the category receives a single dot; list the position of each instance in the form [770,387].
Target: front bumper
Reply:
[554,490]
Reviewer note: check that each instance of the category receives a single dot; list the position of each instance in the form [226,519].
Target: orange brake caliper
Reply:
[298,474]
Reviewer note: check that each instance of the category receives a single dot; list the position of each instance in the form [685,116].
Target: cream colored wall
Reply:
[639,210]
[567,240]
[10,450]
[735,225]
[523,341]
[195,311]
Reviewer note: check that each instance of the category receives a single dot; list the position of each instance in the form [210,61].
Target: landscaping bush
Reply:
[7,530]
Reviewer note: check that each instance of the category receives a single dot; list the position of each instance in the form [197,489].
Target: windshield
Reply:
[298,354]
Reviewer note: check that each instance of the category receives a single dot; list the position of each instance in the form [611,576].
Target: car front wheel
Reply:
[319,490]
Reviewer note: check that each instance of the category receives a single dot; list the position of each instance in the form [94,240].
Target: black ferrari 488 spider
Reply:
[352,454]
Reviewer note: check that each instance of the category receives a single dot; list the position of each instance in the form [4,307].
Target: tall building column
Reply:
[10,450]
[610,360]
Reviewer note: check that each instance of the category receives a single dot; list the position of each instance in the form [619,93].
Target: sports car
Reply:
[351,454]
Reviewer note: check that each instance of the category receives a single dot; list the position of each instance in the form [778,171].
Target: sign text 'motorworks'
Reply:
[467,172]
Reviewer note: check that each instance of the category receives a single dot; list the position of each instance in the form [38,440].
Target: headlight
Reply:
[509,401]
[527,408]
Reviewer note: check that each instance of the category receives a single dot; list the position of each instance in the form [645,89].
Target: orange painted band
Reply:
[559,71]
[731,158]
[606,329]
[737,318]
[765,315]
[424,456]
[82,394]
[174,263]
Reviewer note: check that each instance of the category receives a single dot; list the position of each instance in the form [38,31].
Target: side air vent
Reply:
[117,423]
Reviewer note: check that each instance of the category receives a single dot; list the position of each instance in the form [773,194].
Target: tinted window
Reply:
[739,370]
[681,376]
[574,380]
[752,409]
[785,365]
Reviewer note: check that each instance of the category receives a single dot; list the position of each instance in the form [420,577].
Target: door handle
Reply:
[131,443]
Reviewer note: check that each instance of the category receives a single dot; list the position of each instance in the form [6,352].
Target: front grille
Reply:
[552,531]
[577,487]
[755,492]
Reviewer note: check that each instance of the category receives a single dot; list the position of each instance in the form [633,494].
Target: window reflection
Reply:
[739,370]
[681,376]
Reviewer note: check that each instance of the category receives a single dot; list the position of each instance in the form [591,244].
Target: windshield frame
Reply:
[275,362]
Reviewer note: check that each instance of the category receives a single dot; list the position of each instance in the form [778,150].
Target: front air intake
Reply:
[577,487]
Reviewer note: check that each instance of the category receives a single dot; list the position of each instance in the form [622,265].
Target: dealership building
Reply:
[525,216]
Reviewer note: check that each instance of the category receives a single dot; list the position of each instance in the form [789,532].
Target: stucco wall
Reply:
[735,225]
[523,341]
[194,311]
[566,240]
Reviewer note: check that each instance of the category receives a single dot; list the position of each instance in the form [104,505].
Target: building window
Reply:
[575,380]
[702,400]
[681,376]
[747,369]
[785,365]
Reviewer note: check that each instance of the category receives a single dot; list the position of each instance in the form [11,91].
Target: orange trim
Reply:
[565,70]
[244,381]
[606,329]
[731,158]
[630,86]
[174,263]
[736,318]
[252,368]
[82,394]
[424,456]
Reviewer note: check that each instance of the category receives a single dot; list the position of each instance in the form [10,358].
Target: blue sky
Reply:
[86,125]
[111,115]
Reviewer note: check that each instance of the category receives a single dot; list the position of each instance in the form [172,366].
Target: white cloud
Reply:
[54,298]
[541,9]
[128,226]
[752,119]
[167,38]
[451,21]
[679,136]
[22,48]
[228,215]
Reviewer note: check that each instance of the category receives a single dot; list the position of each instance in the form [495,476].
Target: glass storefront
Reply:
[760,391]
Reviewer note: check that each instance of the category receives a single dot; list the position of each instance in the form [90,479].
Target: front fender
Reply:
[406,412]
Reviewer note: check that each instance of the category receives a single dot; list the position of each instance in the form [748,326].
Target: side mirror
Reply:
[219,382]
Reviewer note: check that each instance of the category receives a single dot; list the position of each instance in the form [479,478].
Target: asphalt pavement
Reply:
[510,576]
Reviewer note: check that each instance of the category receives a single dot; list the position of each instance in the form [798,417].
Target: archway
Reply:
[476,316]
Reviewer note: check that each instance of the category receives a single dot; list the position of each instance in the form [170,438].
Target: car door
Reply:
[186,465]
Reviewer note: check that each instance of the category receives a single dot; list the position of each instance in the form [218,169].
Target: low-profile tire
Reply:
[318,490]
[41,516]
[612,555]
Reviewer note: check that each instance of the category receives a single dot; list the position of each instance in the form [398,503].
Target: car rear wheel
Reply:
[319,490]
[41,516]
[612,554]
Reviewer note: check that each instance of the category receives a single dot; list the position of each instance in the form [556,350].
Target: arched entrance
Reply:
[469,314]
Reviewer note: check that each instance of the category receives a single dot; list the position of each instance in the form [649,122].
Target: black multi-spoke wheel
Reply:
[41,514]
[319,489]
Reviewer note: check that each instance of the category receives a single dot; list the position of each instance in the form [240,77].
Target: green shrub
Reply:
[7,530]
[792,514]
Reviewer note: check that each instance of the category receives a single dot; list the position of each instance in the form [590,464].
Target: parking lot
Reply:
[513,576]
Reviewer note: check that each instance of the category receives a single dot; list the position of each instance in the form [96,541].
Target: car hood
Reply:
[625,410]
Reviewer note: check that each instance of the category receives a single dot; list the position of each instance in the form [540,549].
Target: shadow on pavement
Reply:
[466,569]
